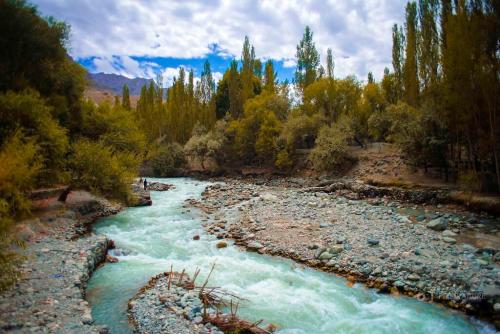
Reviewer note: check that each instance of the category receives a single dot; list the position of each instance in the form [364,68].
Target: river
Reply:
[299,300]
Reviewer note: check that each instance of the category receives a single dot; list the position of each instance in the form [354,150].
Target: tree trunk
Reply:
[64,194]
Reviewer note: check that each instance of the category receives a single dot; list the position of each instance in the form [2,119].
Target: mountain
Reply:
[115,82]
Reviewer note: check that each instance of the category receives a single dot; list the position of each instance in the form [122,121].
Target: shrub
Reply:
[379,125]
[256,132]
[115,126]
[19,166]
[100,169]
[330,151]
[212,144]
[283,160]
[300,131]
[167,159]
[29,112]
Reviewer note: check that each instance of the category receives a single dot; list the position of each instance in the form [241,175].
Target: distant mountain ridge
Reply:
[115,82]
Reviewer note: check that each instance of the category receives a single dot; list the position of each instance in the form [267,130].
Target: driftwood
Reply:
[217,298]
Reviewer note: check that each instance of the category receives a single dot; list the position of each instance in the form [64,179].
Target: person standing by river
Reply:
[145,184]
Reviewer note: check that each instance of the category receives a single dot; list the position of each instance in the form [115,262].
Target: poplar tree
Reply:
[370,78]
[235,91]
[428,43]
[398,58]
[410,66]
[307,61]
[207,83]
[329,63]
[269,77]
[125,97]
[247,69]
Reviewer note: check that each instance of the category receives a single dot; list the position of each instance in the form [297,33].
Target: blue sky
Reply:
[142,38]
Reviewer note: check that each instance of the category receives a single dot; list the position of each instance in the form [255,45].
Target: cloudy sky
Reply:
[139,38]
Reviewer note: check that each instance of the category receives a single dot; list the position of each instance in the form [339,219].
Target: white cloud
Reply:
[126,66]
[289,63]
[357,29]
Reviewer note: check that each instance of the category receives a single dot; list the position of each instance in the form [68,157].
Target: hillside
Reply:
[99,95]
[115,82]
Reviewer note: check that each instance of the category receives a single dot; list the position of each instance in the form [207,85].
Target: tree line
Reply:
[438,104]
[445,65]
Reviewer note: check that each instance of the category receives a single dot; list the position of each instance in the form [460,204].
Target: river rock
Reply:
[373,241]
[438,224]
[221,244]
[335,249]
[325,256]
[449,240]
[413,277]
[448,233]
[254,246]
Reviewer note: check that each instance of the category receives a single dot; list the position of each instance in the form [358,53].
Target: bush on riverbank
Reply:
[167,160]
[100,169]
[20,164]
[330,152]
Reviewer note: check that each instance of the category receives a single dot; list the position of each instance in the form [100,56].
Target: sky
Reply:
[140,38]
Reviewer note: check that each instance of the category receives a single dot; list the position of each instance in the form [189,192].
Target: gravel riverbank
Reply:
[437,253]
[158,309]
[50,297]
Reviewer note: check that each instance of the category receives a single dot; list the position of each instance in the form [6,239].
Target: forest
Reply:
[438,103]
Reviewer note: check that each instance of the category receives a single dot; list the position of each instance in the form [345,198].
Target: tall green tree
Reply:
[207,83]
[329,63]
[398,58]
[125,97]
[307,61]
[247,69]
[371,80]
[428,43]
[411,83]
[269,77]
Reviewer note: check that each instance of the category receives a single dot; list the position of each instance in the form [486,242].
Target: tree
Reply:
[390,87]
[329,63]
[101,169]
[307,61]
[428,44]
[19,168]
[411,84]
[33,55]
[247,69]
[125,97]
[29,112]
[371,80]
[269,77]
[207,83]
[330,151]
[235,88]
[398,58]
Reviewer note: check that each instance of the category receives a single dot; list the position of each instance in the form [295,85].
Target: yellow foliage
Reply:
[29,112]
[19,166]
[98,168]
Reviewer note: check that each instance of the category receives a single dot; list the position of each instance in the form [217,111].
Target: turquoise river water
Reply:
[299,300]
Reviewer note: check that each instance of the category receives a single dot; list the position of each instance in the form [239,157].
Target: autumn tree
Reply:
[410,77]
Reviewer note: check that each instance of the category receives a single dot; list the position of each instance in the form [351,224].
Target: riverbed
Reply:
[299,300]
